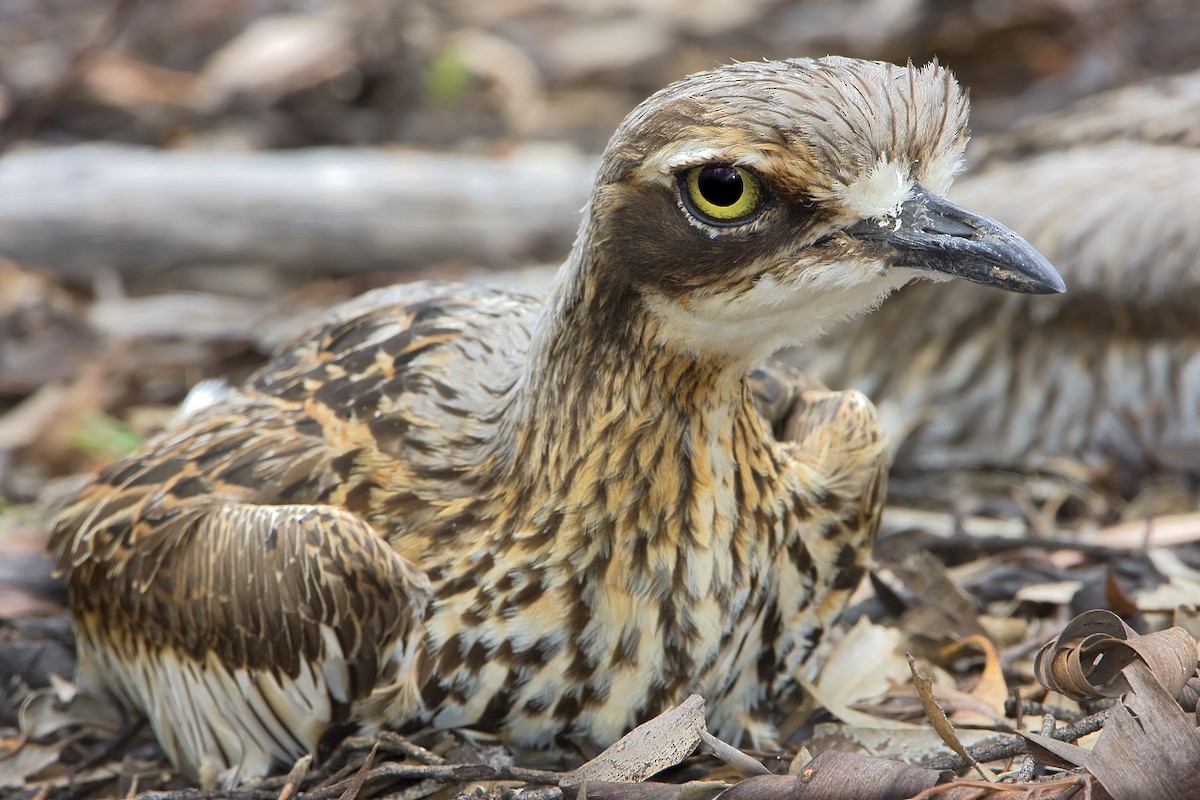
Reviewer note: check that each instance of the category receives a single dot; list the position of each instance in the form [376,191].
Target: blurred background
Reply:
[476,75]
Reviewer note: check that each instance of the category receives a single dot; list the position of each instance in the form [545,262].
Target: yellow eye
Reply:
[721,194]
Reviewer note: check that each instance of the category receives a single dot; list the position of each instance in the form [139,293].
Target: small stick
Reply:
[1030,766]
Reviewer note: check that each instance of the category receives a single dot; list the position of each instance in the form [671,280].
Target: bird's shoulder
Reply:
[388,387]
[432,340]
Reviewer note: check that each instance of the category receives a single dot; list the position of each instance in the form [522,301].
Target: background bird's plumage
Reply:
[1108,190]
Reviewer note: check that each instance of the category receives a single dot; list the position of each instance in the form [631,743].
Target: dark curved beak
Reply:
[934,234]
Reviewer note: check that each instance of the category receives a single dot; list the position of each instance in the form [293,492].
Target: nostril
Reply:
[954,228]
[942,225]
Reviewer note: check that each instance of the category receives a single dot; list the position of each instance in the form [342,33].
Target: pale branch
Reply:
[332,210]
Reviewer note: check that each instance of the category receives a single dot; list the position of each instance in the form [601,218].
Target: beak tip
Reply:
[934,234]
[1043,278]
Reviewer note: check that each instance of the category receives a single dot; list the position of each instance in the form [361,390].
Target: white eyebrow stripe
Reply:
[694,153]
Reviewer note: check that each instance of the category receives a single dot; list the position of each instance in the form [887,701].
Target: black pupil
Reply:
[720,185]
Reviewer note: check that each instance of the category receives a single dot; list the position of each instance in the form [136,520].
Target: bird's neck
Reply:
[617,429]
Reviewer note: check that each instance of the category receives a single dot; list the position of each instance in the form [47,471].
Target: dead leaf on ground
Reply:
[116,80]
[26,422]
[942,609]
[1058,593]
[645,790]
[834,776]
[1149,747]
[649,748]
[26,761]
[991,689]
[940,722]
[1068,787]
[275,56]
[1181,587]
[1086,660]
[858,667]
[1048,750]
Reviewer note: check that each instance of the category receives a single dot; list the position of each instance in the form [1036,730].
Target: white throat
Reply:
[747,328]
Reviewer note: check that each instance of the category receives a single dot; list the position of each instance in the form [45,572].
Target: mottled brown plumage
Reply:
[459,507]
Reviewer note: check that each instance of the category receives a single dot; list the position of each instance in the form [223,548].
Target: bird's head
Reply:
[748,207]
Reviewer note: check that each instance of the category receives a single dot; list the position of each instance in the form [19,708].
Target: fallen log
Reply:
[330,210]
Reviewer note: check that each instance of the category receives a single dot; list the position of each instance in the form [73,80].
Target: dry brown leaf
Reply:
[937,718]
[26,761]
[1116,598]
[1188,618]
[649,748]
[1086,660]
[47,711]
[857,668]
[1149,747]
[1055,752]
[1068,787]
[1006,632]
[28,420]
[834,776]
[968,709]
[645,790]
[942,610]
[991,689]
[1056,593]
[117,80]
[1181,588]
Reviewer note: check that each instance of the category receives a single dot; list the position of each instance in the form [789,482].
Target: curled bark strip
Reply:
[1086,660]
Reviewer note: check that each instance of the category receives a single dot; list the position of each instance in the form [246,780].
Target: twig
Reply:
[440,773]
[456,773]
[992,545]
[1029,767]
[464,773]
[542,793]
[295,777]
[397,743]
[1017,745]
[209,794]
[1069,785]
[1027,706]
[418,791]
[355,784]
